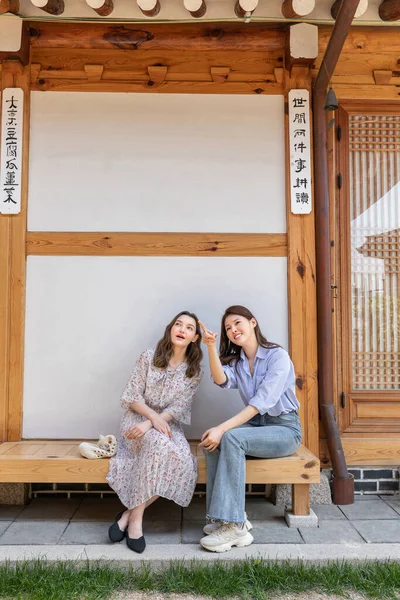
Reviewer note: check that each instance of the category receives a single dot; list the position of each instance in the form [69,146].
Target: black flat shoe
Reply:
[137,545]
[114,533]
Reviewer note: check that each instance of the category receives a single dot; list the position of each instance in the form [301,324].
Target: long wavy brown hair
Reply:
[229,353]
[194,353]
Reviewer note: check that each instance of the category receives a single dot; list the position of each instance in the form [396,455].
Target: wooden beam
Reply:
[155,244]
[12,287]
[245,8]
[150,8]
[168,87]
[9,6]
[389,10]
[361,9]
[381,450]
[102,7]
[197,8]
[150,36]
[297,8]
[301,46]
[53,7]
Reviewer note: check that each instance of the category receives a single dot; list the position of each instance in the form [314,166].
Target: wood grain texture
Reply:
[9,6]
[147,36]
[302,292]
[383,450]
[301,499]
[59,461]
[166,87]
[156,244]
[12,299]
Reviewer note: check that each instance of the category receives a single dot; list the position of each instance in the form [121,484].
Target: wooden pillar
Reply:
[301,499]
[301,272]
[12,281]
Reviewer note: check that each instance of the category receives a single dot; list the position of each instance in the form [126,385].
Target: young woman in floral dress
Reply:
[154,458]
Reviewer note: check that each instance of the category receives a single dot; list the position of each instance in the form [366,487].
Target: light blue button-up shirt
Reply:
[271,389]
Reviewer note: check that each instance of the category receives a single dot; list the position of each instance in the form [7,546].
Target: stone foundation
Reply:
[14,493]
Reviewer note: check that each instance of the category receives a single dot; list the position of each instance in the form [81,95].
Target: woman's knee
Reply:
[230,439]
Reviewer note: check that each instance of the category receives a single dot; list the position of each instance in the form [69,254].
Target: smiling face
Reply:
[183,331]
[239,329]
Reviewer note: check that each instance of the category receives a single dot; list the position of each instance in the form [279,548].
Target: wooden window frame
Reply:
[349,423]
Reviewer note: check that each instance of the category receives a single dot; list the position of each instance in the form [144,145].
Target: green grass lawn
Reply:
[248,579]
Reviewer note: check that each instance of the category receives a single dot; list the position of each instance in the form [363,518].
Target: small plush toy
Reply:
[105,447]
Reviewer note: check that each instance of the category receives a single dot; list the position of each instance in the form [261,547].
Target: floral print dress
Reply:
[155,465]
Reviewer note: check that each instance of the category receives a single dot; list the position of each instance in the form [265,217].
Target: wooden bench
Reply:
[59,461]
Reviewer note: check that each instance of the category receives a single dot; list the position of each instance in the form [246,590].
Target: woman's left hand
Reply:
[211,439]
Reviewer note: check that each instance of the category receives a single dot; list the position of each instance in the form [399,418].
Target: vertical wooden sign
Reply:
[11,150]
[300,151]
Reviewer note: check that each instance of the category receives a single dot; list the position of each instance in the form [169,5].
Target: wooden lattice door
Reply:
[369,256]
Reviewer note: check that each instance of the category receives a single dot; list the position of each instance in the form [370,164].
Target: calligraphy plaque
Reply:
[11,150]
[300,151]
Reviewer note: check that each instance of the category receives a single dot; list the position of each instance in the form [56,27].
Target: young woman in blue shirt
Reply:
[268,426]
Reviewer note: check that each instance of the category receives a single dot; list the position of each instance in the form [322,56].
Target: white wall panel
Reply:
[88,319]
[156,162]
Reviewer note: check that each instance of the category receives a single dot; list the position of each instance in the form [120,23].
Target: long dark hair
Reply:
[229,353]
[194,353]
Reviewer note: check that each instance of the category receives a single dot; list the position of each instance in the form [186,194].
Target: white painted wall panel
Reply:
[156,162]
[88,319]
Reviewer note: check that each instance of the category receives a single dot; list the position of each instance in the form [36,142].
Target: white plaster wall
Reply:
[156,162]
[88,319]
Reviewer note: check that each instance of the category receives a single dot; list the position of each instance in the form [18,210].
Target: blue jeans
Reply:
[262,437]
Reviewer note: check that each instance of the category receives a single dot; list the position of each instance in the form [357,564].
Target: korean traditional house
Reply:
[160,155]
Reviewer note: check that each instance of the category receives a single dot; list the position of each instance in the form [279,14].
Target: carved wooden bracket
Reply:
[297,8]
[91,73]
[94,72]
[101,7]
[385,77]
[53,7]
[197,8]
[389,10]
[150,8]
[279,73]
[9,6]
[362,7]
[219,74]
[157,74]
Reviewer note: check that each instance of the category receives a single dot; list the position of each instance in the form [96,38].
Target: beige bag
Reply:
[105,447]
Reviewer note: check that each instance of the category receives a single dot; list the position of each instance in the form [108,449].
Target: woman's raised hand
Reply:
[209,338]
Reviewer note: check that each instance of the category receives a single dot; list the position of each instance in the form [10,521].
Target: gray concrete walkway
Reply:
[73,529]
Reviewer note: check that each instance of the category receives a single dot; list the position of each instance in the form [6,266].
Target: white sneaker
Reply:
[216,524]
[225,537]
